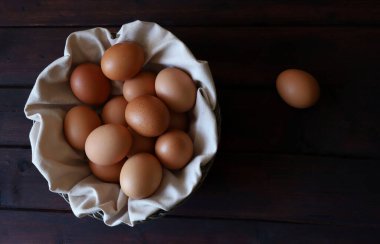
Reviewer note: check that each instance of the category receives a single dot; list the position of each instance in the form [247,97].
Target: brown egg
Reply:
[140,176]
[297,88]
[78,124]
[122,61]
[147,115]
[141,84]
[114,111]
[176,89]
[108,144]
[141,143]
[178,121]
[174,149]
[89,84]
[109,173]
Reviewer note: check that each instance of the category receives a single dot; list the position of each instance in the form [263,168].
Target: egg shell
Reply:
[140,176]
[89,84]
[176,89]
[141,84]
[298,88]
[109,173]
[141,143]
[79,122]
[174,149]
[147,115]
[114,111]
[108,144]
[122,61]
[178,121]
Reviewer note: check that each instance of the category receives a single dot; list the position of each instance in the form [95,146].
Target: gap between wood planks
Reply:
[114,27]
[194,217]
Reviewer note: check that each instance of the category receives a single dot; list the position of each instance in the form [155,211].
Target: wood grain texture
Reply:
[190,13]
[282,175]
[21,185]
[27,227]
[299,189]
[14,126]
[238,57]
[342,123]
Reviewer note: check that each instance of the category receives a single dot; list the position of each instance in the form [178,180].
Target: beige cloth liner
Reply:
[66,170]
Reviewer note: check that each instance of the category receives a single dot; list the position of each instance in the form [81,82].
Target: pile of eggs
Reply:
[138,133]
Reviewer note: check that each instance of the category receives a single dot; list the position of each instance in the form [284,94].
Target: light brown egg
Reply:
[147,115]
[298,88]
[140,176]
[174,149]
[122,61]
[78,124]
[108,144]
[89,84]
[176,89]
[114,111]
[178,121]
[109,173]
[141,143]
[141,84]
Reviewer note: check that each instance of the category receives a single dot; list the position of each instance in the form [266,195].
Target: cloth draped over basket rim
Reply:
[66,169]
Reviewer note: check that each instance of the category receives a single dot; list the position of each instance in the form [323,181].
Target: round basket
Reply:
[64,168]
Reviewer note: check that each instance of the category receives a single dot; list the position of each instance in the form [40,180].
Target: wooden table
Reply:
[281,175]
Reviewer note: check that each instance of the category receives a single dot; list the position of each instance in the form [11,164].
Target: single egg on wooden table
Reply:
[147,115]
[79,122]
[176,88]
[113,111]
[89,84]
[108,144]
[178,121]
[174,149]
[298,88]
[141,143]
[123,60]
[141,84]
[107,173]
[140,176]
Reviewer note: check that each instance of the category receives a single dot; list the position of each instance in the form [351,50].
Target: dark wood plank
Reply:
[301,189]
[205,13]
[342,123]
[290,188]
[26,227]
[21,185]
[14,126]
[238,56]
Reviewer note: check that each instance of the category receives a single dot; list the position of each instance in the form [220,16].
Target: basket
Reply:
[63,167]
